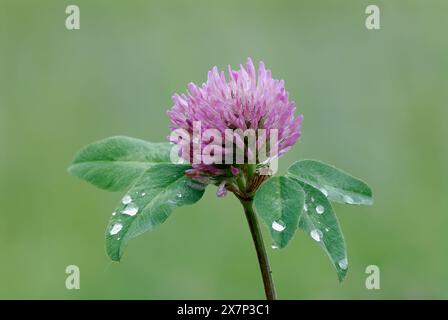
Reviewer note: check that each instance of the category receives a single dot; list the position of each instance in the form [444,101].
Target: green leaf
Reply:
[279,203]
[321,224]
[149,203]
[116,163]
[336,184]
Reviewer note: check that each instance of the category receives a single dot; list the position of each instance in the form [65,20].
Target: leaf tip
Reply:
[342,275]
[114,255]
[71,169]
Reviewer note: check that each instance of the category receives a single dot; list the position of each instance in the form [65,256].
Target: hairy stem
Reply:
[263,261]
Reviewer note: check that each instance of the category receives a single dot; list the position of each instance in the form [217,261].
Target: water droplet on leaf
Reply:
[343,264]
[316,234]
[130,210]
[116,228]
[196,185]
[320,209]
[278,225]
[325,192]
[348,200]
[126,199]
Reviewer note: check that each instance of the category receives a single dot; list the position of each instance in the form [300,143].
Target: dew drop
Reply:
[325,192]
[326,229]
[348,199]
[316,234]
[305,207]
[274,246]
[343,264]
[197,186]
[143,194]
[126,199]
[130,210]
[115,229]
[278,225]
[320,209]
[179,195]
[312,199]
[114,213]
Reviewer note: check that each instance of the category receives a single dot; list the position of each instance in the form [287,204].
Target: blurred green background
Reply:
[374,104]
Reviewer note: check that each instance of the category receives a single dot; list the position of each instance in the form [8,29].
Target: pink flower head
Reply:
[242,101]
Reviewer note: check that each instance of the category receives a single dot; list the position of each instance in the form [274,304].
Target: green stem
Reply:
[241,181]
[263,261]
